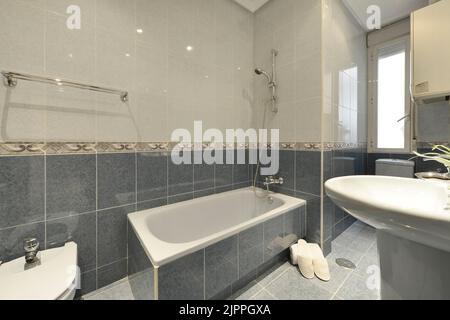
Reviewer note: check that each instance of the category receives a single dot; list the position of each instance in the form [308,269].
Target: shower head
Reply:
[260,71]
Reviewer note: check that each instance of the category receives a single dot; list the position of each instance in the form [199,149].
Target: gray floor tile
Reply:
[291,285]
[121,291]
[263,295]
[270,275]
[338,276]
[248,292]
[340,251]
[369,260]
[355,242]
[355,288]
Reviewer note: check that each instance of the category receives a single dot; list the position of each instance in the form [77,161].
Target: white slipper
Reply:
[305,260]
[321,268]
[295,252]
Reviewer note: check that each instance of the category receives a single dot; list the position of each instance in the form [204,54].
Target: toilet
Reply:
[395,168]
[56,278]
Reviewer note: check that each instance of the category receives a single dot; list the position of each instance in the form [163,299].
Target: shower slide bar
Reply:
[12,77]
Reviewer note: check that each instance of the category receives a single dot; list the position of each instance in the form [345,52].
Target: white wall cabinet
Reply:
[430,31]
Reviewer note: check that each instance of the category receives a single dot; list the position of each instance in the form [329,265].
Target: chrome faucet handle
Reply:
[31,245]
[280,181]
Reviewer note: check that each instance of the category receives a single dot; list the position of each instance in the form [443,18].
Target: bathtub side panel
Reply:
[140,269]
[183,279]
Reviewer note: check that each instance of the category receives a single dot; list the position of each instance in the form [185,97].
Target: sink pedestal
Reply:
[412,271]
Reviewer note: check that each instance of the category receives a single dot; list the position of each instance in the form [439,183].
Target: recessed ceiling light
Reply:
[189,48]
[140,31]
[127,55]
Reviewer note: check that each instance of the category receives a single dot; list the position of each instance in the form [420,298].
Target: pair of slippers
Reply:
[310,260]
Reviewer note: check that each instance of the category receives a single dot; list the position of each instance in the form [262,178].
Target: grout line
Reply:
[45,201]
[96,220]
[259,291]
[270,294]
[274,279]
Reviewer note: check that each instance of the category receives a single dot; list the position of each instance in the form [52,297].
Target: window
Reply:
[389,98]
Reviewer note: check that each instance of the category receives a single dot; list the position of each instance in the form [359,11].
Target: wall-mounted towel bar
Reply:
[12,77]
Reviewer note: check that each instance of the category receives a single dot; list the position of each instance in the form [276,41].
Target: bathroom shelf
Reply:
[12,77]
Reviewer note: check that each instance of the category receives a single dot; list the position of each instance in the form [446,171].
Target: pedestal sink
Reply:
[412,218]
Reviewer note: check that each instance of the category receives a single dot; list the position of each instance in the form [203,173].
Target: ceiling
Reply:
[391,10]
[252,5]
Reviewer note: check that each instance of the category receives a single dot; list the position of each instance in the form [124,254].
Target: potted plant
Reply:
[439,154]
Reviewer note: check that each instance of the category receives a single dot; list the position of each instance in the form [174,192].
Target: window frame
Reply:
[374,53]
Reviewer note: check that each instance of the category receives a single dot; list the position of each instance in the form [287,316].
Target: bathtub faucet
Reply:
[270,181]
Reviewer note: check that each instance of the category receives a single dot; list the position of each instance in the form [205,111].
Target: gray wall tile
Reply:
[112,273]
[71,185]
[183,279]
[151,176]
[241,172]
[203,175]
[79,229]
[273,234]
[221,266]
[251,250]
[112,234]
[224,173]
[223,189]
[292,225]
[313,221]
[11,240]
[116,179]
[204,193]
[21,190]
[180,198]
[137,258]
[88,283]
[308,172]
[181,178]
[287,169]
[151,204]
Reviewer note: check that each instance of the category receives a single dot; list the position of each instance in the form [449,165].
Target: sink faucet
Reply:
[31,247]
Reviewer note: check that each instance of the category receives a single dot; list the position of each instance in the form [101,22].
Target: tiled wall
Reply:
[216,272]
[344,116]
[169,86]
[345,76]
[294,28]
[301,171]
[433,122]
[86,198]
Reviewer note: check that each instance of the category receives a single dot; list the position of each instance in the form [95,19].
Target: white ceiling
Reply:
[391,10]
[252,5]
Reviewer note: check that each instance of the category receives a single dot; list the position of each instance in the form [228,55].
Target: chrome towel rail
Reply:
[12,77]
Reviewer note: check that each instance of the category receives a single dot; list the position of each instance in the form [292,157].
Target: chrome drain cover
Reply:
[345,263]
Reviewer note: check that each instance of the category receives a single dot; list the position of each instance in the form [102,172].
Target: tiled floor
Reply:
[357,244]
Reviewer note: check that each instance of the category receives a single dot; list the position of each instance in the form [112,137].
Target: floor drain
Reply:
[345,263]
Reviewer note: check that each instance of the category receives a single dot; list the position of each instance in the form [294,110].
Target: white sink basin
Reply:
[412,219]
[414,209]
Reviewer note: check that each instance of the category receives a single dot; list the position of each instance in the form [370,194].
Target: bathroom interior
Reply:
[93,207]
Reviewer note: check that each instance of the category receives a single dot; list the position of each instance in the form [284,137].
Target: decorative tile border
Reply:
[19,148]
[54,148]
[59,148]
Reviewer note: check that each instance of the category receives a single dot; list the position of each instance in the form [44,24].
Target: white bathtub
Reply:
[171,232]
